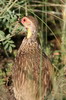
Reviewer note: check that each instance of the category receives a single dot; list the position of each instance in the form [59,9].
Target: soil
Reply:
[6,88]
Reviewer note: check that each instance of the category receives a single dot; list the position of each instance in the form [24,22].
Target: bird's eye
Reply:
[24,20]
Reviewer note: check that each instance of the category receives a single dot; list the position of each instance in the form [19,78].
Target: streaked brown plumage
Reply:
[26,72]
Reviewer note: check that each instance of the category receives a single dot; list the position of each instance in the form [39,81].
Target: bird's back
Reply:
[31,74]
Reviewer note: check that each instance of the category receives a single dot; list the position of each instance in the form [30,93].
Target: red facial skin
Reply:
[24,19]
[26,22]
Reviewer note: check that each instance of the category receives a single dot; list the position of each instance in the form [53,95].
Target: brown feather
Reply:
[26,72]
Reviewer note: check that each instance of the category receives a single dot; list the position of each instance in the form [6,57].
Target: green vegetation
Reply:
[52,16]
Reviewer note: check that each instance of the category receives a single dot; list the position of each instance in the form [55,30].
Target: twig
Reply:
[12,4]
[26,13]
[48,4]
[49,12]
[6,7]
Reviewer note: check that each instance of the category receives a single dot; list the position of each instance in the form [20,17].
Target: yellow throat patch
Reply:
[29,33]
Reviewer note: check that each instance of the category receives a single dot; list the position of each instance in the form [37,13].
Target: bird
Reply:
[31,79]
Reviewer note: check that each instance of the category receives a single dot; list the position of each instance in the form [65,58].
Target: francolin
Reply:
[26,71]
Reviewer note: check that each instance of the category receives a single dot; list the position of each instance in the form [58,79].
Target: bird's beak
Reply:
[19,20]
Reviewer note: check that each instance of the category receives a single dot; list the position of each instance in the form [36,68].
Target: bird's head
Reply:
[31,24]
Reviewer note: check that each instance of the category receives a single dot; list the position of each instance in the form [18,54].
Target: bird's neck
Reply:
[32,35]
